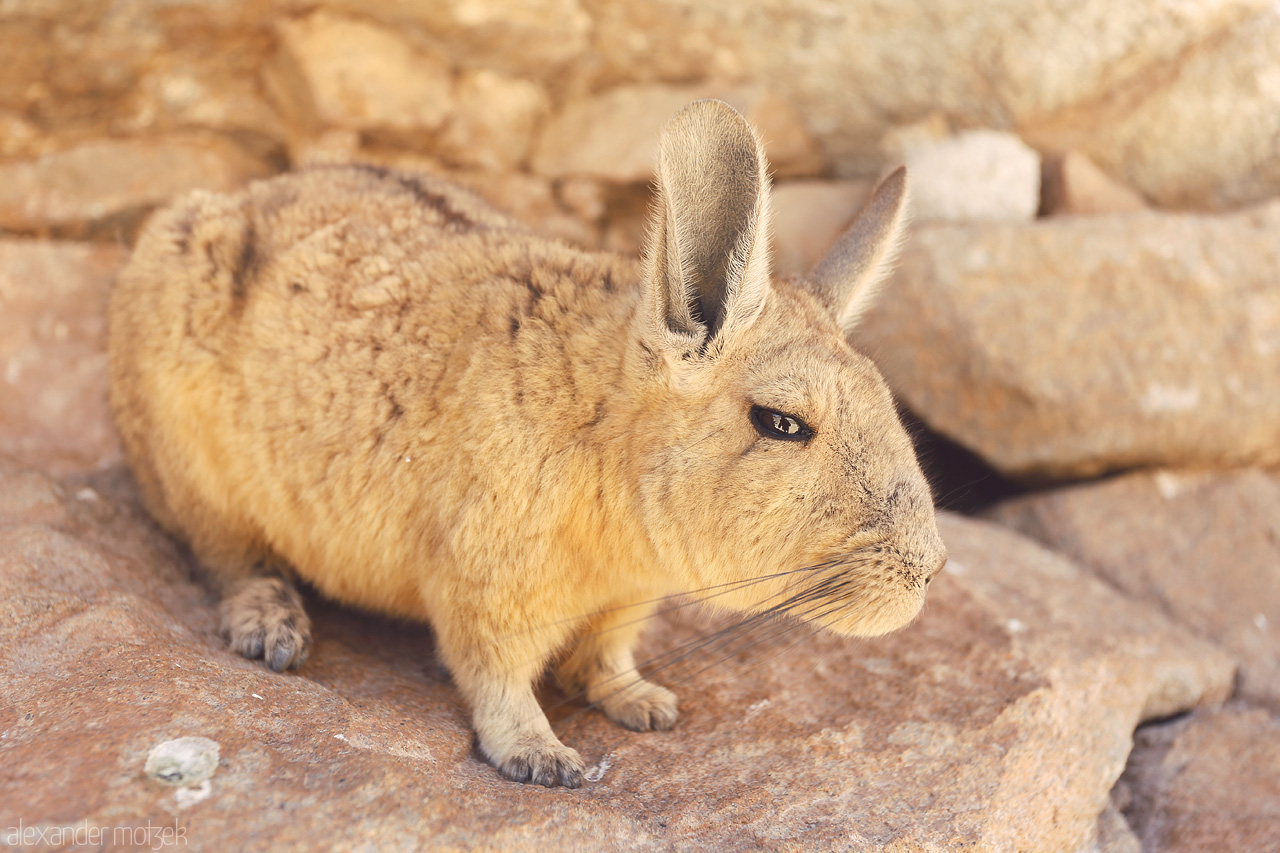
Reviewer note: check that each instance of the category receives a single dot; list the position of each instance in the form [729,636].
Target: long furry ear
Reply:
[707,258]
[849,277]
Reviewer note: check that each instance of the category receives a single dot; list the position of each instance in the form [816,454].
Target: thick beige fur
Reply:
[375,382]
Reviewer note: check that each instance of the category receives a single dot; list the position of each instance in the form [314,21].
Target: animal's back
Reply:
[298,367]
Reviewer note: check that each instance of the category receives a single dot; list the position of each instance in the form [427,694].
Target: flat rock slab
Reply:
[1074,346]
[1202,546]
[109,185]
[1000,721]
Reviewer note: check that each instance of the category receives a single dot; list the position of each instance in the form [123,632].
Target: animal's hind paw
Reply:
[641,706]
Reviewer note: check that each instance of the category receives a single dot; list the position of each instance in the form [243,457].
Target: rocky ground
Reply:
[1085,324]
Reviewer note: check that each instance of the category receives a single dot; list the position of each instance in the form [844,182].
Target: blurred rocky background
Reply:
[1084,333]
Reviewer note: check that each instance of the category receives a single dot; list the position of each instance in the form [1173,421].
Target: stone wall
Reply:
[1088,307]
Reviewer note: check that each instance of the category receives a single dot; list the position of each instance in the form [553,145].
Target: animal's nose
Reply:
[939,565]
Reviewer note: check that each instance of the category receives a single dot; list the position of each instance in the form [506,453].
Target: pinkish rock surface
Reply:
[1210,782]
[1202,546]
[53,358]
[1001,719]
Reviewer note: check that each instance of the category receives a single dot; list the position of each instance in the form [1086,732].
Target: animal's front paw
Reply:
[263,618]
[641,706]
[548,764]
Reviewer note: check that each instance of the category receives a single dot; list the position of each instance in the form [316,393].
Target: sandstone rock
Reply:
[1210,782]
[367,77]
[113,182]
[1024,676]
[853,70]
[614,135]
[533,38]
[495,121]
[53,359]
[978,174]
[1210,136]
[1204,548]
[1072,184]
[1069,347]
[808,216]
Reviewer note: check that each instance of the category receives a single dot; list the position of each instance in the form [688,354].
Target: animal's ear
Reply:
[707,258]
[848,278]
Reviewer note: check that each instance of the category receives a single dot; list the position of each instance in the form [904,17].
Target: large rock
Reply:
[534,38]
[1207,783]
[495,121]
[364,76]
[1204,548]
[614,135]
[53,353]
[855,69]
[112,183]
[1024,676]
[977,174]
[1205,133]
[1069,347]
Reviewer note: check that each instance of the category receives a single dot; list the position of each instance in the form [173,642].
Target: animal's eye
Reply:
[774,424]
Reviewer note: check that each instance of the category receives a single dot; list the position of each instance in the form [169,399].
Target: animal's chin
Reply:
[874,615]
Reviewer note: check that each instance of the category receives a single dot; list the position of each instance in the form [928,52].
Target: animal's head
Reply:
[776,470]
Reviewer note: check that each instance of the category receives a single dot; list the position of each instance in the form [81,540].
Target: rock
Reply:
[854,70]
[1208,782]
[614,135]
[1114,833]
[1070,347]
[112,183]
[1203,547]
[53,358]
[1209,136]
[808,216]
[531,38]
[1023,675]
[494,123]
[367,77]
[1072,184]
[978,174]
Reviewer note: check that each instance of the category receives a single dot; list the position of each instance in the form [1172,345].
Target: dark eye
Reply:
[773,424]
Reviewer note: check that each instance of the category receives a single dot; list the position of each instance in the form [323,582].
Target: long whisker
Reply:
[818,595]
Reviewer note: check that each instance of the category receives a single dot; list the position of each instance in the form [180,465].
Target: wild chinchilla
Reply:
[373,381]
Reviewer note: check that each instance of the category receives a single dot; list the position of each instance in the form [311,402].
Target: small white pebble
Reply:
[340,737]
[408,459]
[184,761]
[1016,626]
[256,696]
[86,494]
[1261,621]
[596,772]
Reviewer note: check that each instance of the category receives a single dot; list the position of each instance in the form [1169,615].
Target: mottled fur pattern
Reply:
[377,382]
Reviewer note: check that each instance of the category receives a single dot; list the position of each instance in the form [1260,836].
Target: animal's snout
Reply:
[940,563]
